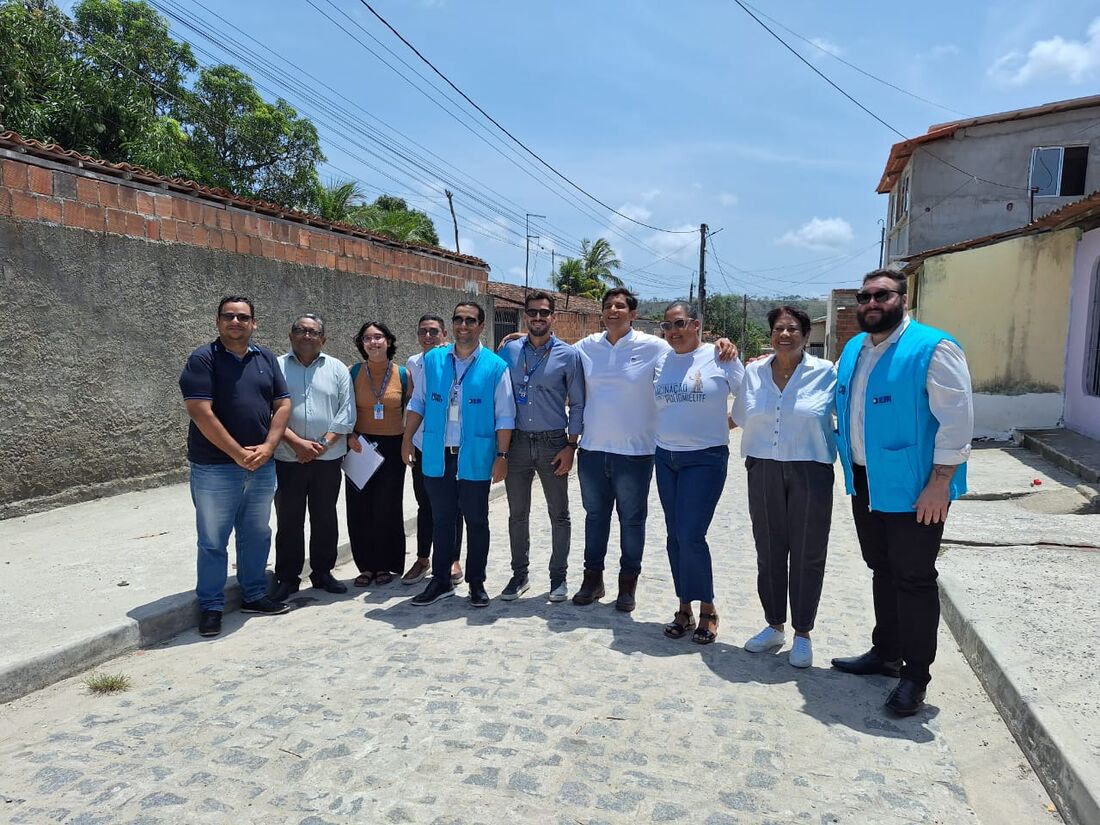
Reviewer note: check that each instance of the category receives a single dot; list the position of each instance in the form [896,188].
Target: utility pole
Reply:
[450,201]
[881,243]
[552,250]
[744,323]
[702,277]
[527,245]
[691,290]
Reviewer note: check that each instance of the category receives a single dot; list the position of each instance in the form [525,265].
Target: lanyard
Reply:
[456,384]
[378,394]
[527,373]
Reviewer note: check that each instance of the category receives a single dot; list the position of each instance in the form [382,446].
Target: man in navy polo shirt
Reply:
[239,406]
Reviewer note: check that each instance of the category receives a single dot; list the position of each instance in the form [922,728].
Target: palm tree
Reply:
[572,280]
[337,200]
[391,217]
[598,259]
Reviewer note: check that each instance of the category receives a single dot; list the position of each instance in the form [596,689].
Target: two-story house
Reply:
[976,177]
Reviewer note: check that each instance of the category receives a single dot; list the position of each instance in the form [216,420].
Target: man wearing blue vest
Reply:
[904,422]
[466,405]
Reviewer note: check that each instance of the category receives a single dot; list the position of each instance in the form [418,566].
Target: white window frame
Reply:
[1058,173]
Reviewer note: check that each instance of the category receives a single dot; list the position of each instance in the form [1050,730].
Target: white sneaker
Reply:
[766,639]
[802,652]
[559,593]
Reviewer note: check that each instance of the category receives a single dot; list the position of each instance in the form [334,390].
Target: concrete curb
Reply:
[1046,737]
[143,627]
[1056,456]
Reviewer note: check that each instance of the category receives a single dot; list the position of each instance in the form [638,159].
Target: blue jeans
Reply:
[690,484]
[620,481]
[229,498]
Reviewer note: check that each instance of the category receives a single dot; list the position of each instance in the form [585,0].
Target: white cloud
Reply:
[631,210]
[819,234]
[650,194]
[827,45]
[727,199]
[944,50]
[1056,57]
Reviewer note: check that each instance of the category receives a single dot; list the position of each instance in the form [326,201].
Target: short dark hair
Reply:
[796,313]
[688,308]
[309,316]
[631,298]
[538,295]
[436,318]
[475,305]
[391,339]
[895,275]
[237,299]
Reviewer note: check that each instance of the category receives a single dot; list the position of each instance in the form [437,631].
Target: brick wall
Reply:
[840,323]
[37,189]
[573,326]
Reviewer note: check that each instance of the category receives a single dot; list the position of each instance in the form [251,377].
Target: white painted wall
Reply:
[996,416]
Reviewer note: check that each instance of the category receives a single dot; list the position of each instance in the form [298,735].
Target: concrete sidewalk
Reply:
[1019,575]
[90,581]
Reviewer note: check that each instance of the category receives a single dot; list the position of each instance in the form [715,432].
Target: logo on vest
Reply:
[881,399]
[437,397]
[473,401]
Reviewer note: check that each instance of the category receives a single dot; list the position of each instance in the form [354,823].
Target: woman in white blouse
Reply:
[692,388]
[785,407]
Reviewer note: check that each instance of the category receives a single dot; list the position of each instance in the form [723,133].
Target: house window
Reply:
[1058,171]
[1092,353]
[901,200]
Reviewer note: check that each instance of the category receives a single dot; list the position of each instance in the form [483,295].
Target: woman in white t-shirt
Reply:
[692,388]
[785,408]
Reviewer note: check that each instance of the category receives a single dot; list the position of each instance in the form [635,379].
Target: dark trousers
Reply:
[791,506]
[454,498]
[313,486]
[424,525]
[610,480]
[901,553]
[531,454]
[690,483]
[376,519]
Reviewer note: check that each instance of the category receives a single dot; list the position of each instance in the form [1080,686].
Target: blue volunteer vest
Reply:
[899,430]
[477,419]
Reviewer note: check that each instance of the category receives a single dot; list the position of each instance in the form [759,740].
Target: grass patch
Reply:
[103,683]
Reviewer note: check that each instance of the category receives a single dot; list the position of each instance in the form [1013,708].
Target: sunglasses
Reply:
[465,321]
[879,297]
[243,317]
[307,333]
[679,323]
[531,312]
[429,332]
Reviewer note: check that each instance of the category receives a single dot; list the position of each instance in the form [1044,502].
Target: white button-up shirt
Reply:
[321,401]
[792,424]
[949,398]
[415,367]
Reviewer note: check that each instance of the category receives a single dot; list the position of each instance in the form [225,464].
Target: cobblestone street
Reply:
[366,709]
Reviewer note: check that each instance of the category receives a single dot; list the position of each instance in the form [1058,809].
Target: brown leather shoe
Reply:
[628,583]
[591,588]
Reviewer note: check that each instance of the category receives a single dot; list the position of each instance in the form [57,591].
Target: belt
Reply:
[541,433]
[451,450]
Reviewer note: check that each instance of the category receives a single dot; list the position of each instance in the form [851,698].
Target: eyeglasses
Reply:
[306,332]
[465,320]
[879,297]
[243,317]
[429,332]
[788,330]
[374,338]
[679,323]
[531,312]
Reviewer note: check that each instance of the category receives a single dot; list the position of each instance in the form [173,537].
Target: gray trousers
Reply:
[791,506]
[531,454]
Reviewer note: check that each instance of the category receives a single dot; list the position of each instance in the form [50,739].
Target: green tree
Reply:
[336,200]
[598,260]
[571,279]
[242,143]
[724,314]
[391,216]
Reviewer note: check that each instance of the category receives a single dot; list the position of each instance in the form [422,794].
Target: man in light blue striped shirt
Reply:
[307,461]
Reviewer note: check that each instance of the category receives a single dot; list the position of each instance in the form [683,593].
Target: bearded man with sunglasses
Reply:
[548,386]
[905,418]
[466,406]
[239,406]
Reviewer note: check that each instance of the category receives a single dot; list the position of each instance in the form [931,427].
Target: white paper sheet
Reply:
[360,466]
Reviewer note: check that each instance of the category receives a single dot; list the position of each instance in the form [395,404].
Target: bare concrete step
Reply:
[1068,449]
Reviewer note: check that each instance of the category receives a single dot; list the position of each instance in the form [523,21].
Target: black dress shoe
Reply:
[435,591]
[906,699]
[328,583]
[478,595]
[281,591]
[210,623]
[870,663]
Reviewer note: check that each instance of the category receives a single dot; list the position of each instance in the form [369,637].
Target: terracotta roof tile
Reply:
[514,293]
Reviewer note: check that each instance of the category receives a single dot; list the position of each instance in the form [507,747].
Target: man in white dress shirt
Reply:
[905,419]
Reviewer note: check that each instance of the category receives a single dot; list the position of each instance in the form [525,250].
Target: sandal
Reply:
[364,579]
[456,575]
[705,635]
[676,630]
[417,572]
[383,578]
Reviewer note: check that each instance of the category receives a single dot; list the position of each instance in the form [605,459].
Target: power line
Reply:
[514,139]
[896,131]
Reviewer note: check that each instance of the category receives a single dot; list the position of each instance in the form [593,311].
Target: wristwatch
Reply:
[501,455]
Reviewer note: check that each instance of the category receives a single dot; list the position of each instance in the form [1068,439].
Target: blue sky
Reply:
[675,114]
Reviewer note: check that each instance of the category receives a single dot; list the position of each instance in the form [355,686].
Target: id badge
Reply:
[379,412]
[521,398]
[452,412]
